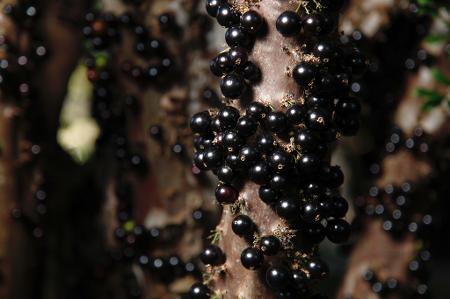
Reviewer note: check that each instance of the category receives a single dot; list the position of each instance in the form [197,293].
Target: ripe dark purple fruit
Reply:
[318,119]
[306,139]
[231,141]
[228,117]
[221,65]
[252,258]
[199,291]
[242,225]
[308,164]
[246,126]
[318,24]
[249,155]
[276,121]
[270,245]
[295,114]
[304,73]
[212,7]
[277,277]
[348,106]
[288,208]
[200,123]
[268,195]
[251,72]
[227,16]
[225,194]
[279,182]
[212,255]
[338,231]
[238,56]
[289,23]
[226,174]
[310,212]
[232,86]
[212,158]
[236,36]
[251,21]
[265,143]
[280,161]
[259,173]
[327,50]
[339,207]
[317,269]
[318,101]
[257,110]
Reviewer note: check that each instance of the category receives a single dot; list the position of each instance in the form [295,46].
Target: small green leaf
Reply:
[440,77]
[432,98]
[424,2]
[436,38]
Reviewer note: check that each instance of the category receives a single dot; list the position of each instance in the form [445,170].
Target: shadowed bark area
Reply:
[376,250]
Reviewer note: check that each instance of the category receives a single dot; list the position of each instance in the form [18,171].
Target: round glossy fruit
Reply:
[270,245]
[260,173]
[295,114]
[252,258]
[212,255]
[317,269]
[238,56]
[304,73]
[289,23]
[251,21]
[212,7]
[338,231]
[277,277]
[232,86]
[242,225]
[200,123]
[276,121]
[236,36]
[226,194]
[288,208]
[227,16]
[228,117]
[268,195]
[199,291]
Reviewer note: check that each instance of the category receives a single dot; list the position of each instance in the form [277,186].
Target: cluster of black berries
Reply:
[24,13]
[16,64]
[136,243]
[103,31]
[418,144]
[415,288]
[325,77]
[397,206]
[34,222]
[233,65]
[285,152]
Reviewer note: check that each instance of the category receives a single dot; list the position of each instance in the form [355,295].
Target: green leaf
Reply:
[432,98]
[440,77]
[436,38]
[424,2]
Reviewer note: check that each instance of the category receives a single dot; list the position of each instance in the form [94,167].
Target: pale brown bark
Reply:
[275,56]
